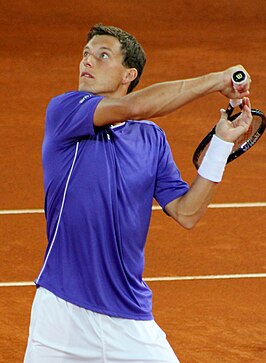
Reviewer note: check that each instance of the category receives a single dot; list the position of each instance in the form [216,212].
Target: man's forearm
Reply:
[166,97]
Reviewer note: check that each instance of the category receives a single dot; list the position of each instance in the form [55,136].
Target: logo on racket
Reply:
[251,142]
[239,77]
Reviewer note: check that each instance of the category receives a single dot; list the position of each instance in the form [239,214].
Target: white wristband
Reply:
[214,161]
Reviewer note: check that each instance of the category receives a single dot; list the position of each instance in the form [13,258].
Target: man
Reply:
[102,169]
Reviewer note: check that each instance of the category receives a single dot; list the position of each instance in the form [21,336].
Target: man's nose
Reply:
[88,60]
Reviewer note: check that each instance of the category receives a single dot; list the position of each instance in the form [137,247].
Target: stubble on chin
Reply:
[82,87]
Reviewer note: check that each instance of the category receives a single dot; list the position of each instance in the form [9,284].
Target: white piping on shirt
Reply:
[117,125]
[60,213]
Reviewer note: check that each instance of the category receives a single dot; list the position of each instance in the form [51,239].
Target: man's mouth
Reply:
[86,75]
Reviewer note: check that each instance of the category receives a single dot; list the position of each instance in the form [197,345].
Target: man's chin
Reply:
[83,88]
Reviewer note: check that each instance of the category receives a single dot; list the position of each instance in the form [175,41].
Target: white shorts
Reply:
[61,332]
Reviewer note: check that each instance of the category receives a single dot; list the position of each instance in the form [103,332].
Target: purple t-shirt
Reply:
[99,188]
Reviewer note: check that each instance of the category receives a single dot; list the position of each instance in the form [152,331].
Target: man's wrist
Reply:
[218,81]
[215,159]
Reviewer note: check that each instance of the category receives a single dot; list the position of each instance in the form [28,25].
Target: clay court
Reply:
[209,284]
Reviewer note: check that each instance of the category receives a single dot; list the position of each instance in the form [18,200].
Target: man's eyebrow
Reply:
[101,48]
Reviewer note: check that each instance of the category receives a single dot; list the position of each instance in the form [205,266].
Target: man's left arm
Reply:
[189,208]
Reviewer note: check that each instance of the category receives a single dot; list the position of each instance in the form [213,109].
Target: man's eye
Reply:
[104,55]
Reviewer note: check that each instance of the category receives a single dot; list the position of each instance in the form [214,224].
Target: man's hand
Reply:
[230,131]
[228,88]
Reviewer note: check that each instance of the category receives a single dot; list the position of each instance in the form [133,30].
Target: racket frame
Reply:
[243,148]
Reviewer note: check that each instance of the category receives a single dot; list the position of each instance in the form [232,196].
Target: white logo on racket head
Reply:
[251,142]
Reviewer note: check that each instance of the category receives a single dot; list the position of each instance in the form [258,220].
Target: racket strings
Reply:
[254,127]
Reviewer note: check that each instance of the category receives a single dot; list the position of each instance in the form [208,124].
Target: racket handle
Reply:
[239,78]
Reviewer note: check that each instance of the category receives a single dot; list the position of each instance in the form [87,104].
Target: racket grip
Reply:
[232,104]
[239,78]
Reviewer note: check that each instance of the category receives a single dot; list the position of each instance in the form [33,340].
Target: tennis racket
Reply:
[245,141]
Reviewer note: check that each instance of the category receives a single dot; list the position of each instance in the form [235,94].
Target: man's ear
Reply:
[130,75]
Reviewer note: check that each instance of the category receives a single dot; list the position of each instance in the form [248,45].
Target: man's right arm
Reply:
[165,97]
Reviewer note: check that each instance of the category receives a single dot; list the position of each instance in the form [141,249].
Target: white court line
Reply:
[165,278]
[155,207]
[16,284]
[21,211]
[207,277]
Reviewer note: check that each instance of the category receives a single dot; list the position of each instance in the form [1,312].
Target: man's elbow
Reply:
[186,217]
[187,222]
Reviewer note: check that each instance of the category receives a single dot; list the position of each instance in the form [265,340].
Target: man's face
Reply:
[101,68]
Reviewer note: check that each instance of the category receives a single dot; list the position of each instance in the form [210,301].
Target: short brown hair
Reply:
[134,55]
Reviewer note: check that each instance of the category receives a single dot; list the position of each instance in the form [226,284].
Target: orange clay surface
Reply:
[207,321]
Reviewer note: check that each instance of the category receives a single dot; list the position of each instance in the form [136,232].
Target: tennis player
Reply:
[104,162]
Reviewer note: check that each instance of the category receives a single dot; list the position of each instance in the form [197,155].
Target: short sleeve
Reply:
[169,184]
[70,116]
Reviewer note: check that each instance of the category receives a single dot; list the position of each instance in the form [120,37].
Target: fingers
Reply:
[230,131]
[241,92]
[245,118]
[243,121]
[224,115]
[246,102]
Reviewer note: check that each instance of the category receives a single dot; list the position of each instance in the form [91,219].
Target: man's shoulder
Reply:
[78,96]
